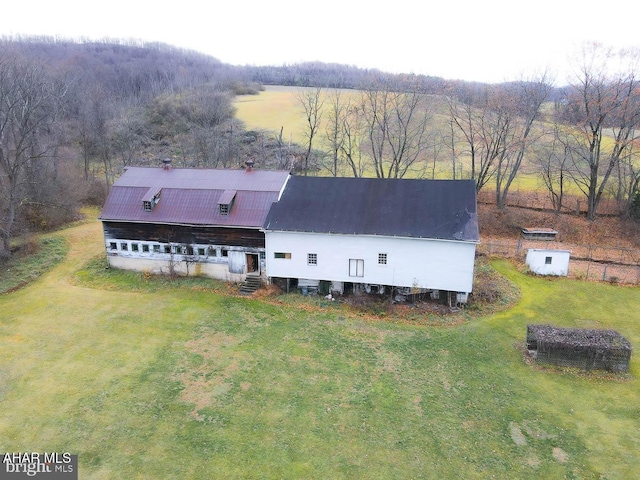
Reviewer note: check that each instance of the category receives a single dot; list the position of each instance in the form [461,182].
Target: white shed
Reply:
[548,262]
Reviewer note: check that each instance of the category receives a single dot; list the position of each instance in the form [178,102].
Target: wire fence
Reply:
[540,201]
[588,262]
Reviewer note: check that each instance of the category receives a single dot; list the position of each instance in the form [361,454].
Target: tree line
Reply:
[584,135]
[74,114]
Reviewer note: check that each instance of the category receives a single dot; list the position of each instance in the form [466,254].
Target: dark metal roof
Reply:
[192,197]
[441,209]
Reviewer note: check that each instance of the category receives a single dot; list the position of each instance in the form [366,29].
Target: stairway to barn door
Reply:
[250,284]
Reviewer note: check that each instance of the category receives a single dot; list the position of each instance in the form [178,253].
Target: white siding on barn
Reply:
[207,260]
[219,271]
[548,262]
[410,262]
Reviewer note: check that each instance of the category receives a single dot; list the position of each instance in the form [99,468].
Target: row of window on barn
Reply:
[356,265]
[175,249]
[211,251]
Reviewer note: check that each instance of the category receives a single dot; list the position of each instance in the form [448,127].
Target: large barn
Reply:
[190,221]
[343,234]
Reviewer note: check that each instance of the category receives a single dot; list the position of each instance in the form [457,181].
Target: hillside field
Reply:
[145,377]
[279,107]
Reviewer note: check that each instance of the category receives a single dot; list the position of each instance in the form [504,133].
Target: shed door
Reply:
[356,267]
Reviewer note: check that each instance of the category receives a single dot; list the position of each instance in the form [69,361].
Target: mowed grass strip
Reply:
[190,383]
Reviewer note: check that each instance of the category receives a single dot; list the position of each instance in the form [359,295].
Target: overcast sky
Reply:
[481,40]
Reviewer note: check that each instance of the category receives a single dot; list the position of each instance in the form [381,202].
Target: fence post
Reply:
[604,273]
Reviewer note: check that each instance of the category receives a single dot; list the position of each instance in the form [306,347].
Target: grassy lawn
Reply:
[144,379]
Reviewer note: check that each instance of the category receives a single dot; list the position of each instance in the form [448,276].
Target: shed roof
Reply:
[192,196]
[440,209]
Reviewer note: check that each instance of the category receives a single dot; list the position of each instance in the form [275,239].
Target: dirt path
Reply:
[85,242]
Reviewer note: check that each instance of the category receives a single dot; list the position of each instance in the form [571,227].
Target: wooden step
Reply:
[250,285]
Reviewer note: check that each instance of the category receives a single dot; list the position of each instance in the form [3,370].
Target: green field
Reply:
[274,108]
[149,378]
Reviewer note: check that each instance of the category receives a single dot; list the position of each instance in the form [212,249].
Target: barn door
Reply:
[252,263]
[237,262]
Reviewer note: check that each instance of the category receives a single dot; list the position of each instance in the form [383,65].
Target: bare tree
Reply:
[344,135]
[29,106]
[312,102]
[352,138]
[283,152]
[334,130]
[523,103]
[396,124]
[552,163]
[482,131]
[449,140]
[628,180]
[605,110]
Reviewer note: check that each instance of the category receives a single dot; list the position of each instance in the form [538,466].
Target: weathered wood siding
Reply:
[420,263]
[150,232]
[214,252]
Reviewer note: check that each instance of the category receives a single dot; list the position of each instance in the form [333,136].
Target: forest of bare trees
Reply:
[73,115]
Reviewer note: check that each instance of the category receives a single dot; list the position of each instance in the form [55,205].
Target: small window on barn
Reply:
[281,255]
[356,267]
[263,255]
[145,248]
[382,259]
[225,202]
[213,252]
[225,252]
[113,246]
[124,246]
[151,199]
[167,249]
[547,260]
[156,249]
[201,251]
[189,250]
[135,247]
[312,259]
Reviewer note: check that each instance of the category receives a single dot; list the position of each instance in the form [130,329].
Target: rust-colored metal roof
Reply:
[192,196]
[205,179]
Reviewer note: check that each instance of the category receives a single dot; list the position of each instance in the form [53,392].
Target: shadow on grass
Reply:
[494,293]
[30,262]
[98,275]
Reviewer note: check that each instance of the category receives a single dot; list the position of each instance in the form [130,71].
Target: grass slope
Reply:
[22,269]
[190,383]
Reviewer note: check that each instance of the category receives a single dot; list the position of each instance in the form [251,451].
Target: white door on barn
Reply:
[356,267]
[237,262]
